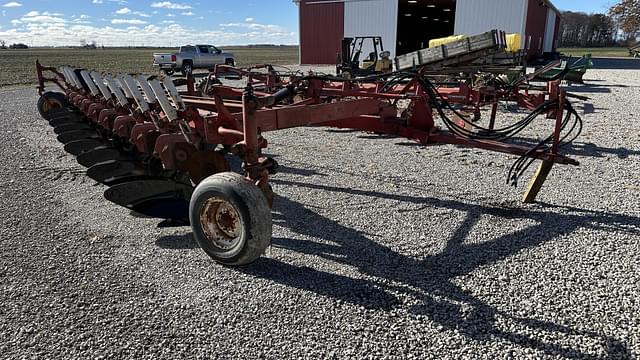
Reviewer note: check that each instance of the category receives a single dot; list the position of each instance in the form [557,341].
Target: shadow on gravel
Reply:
[355,291]
[297,171]
[616,63]
[593,150]
[342,131]
[430,280]
[611,63]
[584,149]
[590,89]
[177,242]
[589,108]
[372,136]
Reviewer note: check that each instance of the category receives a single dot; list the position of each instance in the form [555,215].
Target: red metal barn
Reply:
[408,25]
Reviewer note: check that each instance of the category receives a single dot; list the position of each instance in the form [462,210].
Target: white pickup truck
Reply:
[191,57]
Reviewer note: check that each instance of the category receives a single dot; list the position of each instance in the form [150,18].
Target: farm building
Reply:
[408,25]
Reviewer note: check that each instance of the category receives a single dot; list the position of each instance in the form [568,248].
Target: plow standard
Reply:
[164,153]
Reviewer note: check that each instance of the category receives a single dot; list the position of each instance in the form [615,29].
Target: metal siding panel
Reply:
[321,32]
[372,18]
[475,17]
[549,32]
[556,32]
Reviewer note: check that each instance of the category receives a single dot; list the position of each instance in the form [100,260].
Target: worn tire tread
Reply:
[259,214]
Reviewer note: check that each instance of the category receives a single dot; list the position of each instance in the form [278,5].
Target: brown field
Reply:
[18,66]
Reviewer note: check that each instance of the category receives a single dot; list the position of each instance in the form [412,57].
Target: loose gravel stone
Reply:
[381,250]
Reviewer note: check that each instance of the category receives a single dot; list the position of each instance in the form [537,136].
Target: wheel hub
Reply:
[221,223]
[50,104]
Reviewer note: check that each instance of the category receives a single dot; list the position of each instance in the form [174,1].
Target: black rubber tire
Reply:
[230,62]
[49,101]
[169,72]
[187,68]
[200,85]
[252,207]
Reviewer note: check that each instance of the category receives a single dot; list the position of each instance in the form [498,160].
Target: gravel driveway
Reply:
[381,249]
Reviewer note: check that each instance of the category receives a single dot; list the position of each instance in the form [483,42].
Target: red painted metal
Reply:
[325,102]
[106,118]
[122,125]
[58,79]
[321,31]
[140,133]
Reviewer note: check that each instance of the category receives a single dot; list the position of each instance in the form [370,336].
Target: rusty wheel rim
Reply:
[222,225]
[50,104]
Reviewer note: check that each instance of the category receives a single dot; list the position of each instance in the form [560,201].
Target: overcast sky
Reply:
[167,23]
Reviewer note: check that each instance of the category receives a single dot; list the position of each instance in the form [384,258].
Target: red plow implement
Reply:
[165,153]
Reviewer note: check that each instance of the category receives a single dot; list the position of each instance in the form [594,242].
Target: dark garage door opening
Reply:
[422,20]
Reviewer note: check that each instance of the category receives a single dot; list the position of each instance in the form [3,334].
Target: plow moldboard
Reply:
[61,129]
[75,135]
[99,155]
[160,198]
[80,146]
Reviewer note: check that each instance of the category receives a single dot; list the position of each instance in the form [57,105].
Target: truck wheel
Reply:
[187,68]
[202,87]
[169,72]
[230,62]
[230,219]
[50,102]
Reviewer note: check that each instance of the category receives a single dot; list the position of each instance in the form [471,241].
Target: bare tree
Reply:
[586,30]
[626,13]
[3,44]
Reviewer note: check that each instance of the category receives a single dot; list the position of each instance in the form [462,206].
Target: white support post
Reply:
[173,92]
[135,92]
[100,82]
[73,78]
[67,78]
[89,81]
[122,100]
[142,81]
[165,104]
[124,86]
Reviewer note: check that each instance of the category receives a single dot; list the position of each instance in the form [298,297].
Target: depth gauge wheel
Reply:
[51,102]
[231,219]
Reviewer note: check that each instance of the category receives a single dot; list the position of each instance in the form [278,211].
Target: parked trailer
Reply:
[164,154]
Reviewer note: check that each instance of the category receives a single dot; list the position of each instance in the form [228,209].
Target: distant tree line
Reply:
[3,45]
[586,30]
[619,27]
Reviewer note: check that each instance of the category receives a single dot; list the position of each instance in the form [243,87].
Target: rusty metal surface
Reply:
[221,223]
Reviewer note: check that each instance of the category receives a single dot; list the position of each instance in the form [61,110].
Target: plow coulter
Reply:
[164,153]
